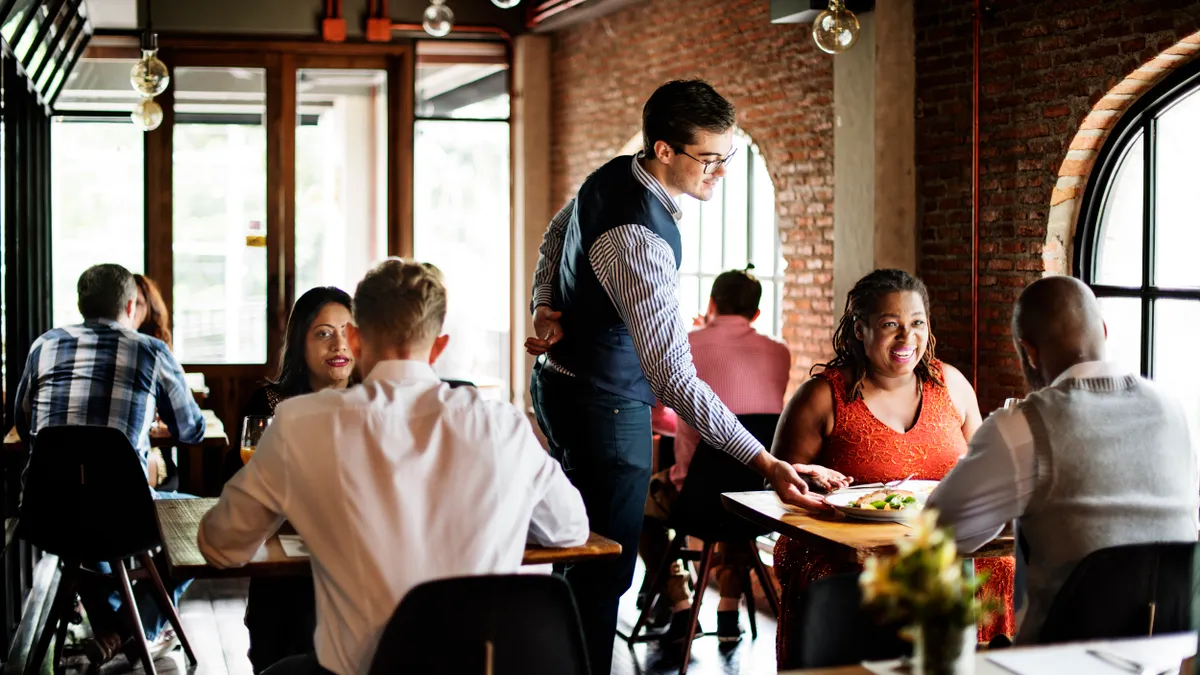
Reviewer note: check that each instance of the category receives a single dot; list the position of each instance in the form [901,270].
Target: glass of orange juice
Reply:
[253,427]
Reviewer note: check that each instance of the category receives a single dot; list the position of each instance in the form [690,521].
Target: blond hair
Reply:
[401,303]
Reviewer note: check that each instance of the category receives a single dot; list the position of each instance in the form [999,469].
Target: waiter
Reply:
[606,315]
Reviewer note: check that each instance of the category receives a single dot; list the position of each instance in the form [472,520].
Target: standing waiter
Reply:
[607,317]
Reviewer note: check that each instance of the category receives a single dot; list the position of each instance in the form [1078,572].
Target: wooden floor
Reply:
[212,612]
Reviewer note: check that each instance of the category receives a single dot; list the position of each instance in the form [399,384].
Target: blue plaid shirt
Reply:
[101,374]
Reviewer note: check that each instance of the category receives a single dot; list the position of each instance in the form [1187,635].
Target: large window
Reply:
[219,200]
[1139,234]
[96,203]
[462,214]
[97,179]
[341,176]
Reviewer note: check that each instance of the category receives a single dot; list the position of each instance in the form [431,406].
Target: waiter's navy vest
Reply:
[596,344]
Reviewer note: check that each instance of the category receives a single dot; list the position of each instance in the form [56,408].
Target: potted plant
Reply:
[923,586]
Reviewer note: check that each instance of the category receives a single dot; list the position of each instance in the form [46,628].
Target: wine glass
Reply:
[253,427]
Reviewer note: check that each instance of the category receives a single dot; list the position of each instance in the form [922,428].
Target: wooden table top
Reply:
[862,539]
[179,520]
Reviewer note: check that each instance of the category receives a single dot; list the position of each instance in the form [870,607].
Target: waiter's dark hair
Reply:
[677,109]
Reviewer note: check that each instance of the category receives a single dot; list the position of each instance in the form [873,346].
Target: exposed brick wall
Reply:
[782,87]
[1044,67]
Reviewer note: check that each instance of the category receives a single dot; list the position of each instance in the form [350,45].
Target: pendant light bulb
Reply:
[836,29]
[439,19]
[506,4]
[147,115]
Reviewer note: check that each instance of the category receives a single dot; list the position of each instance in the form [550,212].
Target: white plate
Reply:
[841,500]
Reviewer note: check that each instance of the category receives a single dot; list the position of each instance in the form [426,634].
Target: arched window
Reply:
[1138,243]
[737,226]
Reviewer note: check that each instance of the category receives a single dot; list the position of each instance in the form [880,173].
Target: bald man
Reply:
[1094,457]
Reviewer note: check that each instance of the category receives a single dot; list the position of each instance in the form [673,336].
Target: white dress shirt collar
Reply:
[398,370]
[645,178]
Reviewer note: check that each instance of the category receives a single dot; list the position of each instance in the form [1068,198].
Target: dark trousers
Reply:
[603,443]
[281,616]
[304,664]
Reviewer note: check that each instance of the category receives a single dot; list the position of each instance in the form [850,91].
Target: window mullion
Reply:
[1149,173]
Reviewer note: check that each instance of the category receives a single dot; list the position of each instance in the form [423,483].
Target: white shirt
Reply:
[392,483]
[992,485]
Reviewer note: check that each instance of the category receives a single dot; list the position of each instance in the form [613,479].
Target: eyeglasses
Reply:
[711,165]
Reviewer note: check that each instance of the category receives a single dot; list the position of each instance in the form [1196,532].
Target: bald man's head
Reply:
[1057,324]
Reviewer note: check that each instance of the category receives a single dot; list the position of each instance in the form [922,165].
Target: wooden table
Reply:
[1157,652]
[179,520]
[861,539]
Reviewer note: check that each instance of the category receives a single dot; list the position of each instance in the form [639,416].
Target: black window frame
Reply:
[1140,120]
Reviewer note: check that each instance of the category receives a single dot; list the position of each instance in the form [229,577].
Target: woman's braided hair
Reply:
[861,303]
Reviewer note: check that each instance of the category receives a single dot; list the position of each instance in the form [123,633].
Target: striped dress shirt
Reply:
[99,373]
[637,270]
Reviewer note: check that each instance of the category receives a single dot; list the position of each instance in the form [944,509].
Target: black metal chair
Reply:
[86,499]
[699,513]
[837,631]
[519,624]
[1125,591]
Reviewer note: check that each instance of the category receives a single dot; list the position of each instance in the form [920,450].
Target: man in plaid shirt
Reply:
[104,373]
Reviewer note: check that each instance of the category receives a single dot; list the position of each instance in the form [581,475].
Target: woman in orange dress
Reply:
[883,409]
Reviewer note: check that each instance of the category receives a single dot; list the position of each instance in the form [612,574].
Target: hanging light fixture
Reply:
[439,19]
[836,29]
[149,77]
[506,4]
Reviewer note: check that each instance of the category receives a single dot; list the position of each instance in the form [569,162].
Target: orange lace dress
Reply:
[867,449]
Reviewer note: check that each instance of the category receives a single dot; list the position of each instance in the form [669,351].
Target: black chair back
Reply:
[698,511]
[446,626]
[1124,591]
[86,496]
[835,630]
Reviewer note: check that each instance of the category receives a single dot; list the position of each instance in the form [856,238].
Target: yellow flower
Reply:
[876,579]
[925,533]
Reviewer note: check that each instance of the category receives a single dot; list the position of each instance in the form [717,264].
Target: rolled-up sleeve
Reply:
[249,510]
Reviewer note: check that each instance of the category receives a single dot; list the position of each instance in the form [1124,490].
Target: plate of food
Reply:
[883,503]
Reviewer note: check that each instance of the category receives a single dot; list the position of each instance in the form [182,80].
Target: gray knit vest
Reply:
[1115,466]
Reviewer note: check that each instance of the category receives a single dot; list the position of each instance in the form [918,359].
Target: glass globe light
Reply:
[836,29]
[506,4]
[147,115]
[439,19]
[149,76]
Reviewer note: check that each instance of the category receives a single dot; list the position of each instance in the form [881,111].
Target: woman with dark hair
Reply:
[281,613]
[882,409]
[150,313]
[315,354]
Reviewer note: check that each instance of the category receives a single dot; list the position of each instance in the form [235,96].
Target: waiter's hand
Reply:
[791,488]
[547,330]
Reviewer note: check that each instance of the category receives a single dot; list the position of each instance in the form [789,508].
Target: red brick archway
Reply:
[1081,156]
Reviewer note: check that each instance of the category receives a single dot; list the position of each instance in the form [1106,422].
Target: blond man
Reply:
[373,475]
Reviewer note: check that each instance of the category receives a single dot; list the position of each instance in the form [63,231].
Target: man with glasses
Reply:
[606,314]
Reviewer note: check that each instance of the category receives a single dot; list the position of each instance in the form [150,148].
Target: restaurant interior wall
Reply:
[1044,67]
[782,86]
